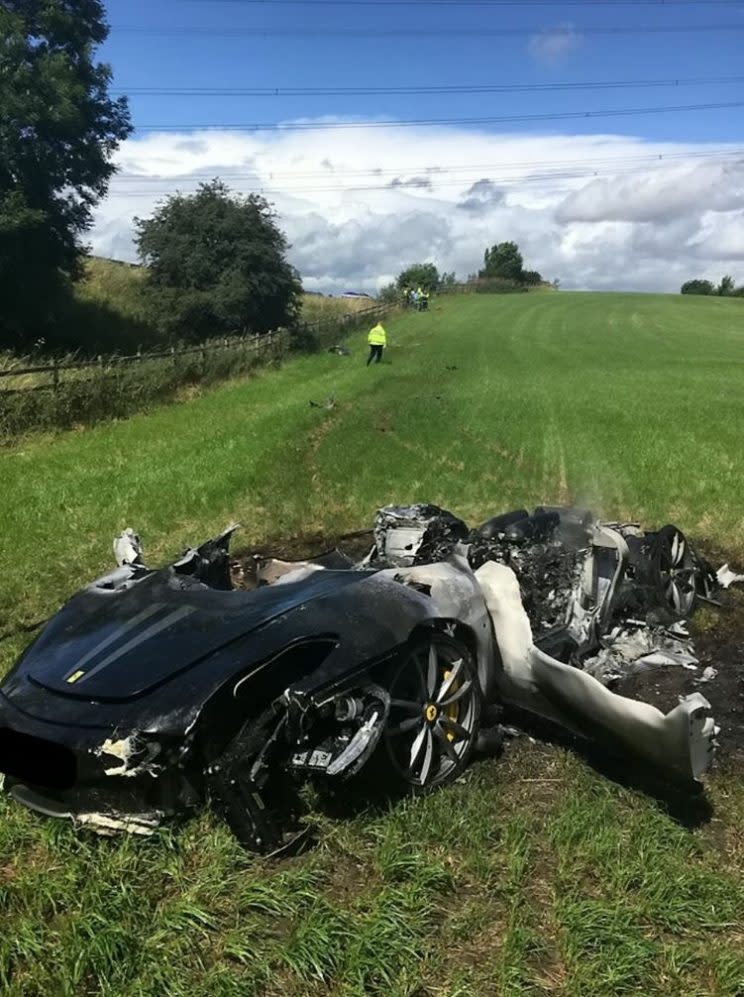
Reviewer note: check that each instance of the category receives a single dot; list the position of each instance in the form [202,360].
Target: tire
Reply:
[674,573]
[435,712]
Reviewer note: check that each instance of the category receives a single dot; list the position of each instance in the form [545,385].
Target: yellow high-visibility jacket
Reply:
[377,336]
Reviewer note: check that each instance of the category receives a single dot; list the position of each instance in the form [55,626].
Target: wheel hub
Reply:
[431,713]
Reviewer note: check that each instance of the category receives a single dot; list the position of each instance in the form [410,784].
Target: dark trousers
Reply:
[375,353]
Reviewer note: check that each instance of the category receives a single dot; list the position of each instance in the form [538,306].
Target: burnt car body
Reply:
[152,691]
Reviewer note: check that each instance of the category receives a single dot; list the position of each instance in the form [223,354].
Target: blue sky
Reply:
[233,57]
[638,201]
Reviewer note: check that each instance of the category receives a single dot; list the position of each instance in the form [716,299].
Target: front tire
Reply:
[435,711]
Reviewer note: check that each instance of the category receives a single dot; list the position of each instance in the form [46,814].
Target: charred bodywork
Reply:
[152,691]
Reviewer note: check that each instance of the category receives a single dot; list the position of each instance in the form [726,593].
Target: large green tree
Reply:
[503,260]
[58,130]
[216,264]
[423,275]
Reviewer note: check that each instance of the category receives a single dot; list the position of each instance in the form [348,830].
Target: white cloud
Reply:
[359,205]
[551,45]
[662,197]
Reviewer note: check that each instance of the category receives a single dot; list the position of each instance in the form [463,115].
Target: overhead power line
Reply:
[546,181]
[433,171]
[434,89]
[524,4]
[307,33]
[429,122]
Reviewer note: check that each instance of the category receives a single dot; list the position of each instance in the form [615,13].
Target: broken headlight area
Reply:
[256,782]
[134,755]
[35,760]
[342,735]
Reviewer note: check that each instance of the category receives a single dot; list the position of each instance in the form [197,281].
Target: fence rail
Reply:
[59,393]
[268,343]
[349,318]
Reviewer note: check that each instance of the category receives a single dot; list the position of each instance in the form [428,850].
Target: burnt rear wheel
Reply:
[434,712]
[675,573]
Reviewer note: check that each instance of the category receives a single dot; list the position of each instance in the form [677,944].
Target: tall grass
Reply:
[114,389]
[318,308]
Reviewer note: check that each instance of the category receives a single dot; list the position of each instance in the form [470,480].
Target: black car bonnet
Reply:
[118,646]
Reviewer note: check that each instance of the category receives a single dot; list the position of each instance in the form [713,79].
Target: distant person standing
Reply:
[377,340]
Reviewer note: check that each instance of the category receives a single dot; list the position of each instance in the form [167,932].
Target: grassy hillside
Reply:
[113,291]
[117,286]
[536,876]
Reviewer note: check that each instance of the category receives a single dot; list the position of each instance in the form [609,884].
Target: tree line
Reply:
[503,269]
[726,289]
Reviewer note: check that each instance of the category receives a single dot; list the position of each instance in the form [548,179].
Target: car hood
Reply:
[116,646]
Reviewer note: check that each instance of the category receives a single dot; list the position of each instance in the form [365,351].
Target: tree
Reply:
[389,294]
[423,275]
[697,287]
[58,130]
[531,277]
[503,260]
[726,287]
[216,264]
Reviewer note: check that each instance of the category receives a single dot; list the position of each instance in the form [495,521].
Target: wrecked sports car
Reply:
[152,691]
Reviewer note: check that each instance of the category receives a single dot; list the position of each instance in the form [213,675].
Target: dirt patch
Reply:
[719,643]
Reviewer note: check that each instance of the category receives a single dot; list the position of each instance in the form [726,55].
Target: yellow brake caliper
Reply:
[451,710]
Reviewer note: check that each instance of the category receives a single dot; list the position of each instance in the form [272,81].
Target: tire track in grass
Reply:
[441,460]
[517,460]
[555,464]
[315,441]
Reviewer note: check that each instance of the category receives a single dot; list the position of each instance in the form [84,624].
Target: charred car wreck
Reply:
[153,691]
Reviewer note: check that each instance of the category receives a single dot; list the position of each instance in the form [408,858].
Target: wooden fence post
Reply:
[55,374]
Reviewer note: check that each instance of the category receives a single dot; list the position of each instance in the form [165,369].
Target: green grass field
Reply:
[535,876]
